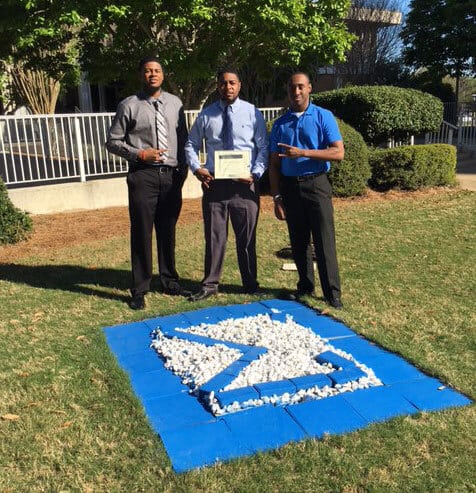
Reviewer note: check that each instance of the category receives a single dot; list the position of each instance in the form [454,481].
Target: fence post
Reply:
[79,143]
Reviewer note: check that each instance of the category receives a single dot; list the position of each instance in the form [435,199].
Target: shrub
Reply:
[413,167]
[383,112]
[15,225]
[349,177]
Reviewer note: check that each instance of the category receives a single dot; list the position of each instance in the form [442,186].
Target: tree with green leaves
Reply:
[39,49]
[440,35]
[195,37]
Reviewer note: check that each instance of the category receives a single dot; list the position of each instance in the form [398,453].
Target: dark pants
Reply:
[155,200]
[309,211]
[239,202]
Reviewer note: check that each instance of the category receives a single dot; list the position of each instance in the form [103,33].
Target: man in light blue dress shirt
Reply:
[236,125]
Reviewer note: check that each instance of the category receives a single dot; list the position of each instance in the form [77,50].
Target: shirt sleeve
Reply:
[181,139]
[261,141]
[331,128]
[273,138]
[194,144]
[117,137]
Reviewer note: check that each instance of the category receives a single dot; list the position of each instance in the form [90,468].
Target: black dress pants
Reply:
[155,200]
[309,212]
[238,202]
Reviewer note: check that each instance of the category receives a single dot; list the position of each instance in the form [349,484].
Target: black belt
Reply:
[303,177]
[165,169]
[160,168]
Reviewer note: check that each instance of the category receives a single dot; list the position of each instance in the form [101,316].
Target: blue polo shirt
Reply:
[316,128]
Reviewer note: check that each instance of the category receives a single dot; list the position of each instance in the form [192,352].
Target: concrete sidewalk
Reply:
[466,170]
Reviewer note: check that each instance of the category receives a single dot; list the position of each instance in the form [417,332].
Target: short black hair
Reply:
[148,59]
[228,70]
[299,72]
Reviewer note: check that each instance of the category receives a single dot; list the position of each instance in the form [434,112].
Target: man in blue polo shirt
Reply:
[303,142]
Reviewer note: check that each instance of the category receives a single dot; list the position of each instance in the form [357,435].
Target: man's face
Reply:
[152,76]
[228,87]
[299,89]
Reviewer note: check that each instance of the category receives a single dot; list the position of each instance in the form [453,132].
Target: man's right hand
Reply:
[152,155]
[204,176]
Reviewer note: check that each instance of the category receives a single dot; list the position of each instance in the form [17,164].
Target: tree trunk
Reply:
[193,94]
[457,89]
[39,91]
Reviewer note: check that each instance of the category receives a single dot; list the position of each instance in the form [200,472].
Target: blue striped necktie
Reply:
[162,137]
[227,131]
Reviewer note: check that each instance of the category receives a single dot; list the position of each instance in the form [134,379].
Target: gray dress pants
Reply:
[239,202]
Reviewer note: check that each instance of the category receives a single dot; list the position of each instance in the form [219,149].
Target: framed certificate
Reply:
[232,164]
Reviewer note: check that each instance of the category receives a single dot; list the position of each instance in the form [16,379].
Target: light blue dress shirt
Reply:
[249,133]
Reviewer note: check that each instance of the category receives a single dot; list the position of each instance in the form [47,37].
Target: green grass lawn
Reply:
[408,276]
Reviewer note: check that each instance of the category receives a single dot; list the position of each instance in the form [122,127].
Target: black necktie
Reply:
[227,132]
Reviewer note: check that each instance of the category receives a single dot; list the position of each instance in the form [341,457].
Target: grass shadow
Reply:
[74,278]
[92,282]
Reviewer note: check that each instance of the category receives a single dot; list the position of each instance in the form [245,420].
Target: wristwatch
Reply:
[277,197]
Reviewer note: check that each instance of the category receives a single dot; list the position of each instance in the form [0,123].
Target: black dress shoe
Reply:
[202,294]
[256,290]
[294,296]
[137,302]
[174,289]
[335,303]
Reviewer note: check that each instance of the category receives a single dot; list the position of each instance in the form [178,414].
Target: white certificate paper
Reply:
[232,164]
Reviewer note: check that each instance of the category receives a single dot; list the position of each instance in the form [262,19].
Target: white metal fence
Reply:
[444,135]
[52,148]
[38,149]
[460,114]
[460,136]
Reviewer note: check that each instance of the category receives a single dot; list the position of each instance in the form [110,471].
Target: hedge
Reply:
[413,167]
[15,225]
[349,177]
[383,112]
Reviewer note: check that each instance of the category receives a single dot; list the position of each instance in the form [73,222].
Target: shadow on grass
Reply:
[74,278]
[94,282]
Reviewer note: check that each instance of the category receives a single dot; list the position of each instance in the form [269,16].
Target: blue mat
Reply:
[193,437]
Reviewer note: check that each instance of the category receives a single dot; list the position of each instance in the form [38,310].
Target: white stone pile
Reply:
[291,352]
[194,362]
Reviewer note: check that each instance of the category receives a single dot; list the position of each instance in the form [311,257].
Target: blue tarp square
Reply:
[429,394]
[193,437]
[333,415]
[379,403]
[201,445]
[176,411]
[263,428]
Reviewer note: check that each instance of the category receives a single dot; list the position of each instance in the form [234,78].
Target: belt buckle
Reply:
[163,169]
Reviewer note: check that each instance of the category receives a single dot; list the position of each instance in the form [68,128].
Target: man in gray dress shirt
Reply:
[149,131]
[235,125]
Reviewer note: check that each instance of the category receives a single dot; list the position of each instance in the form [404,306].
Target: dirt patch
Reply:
[56,231]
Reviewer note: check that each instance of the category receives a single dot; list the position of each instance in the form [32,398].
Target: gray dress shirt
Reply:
[133,128]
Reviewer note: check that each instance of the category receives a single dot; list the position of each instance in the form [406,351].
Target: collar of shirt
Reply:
[233,106]
[153,100]
[296,114]
[144,96]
